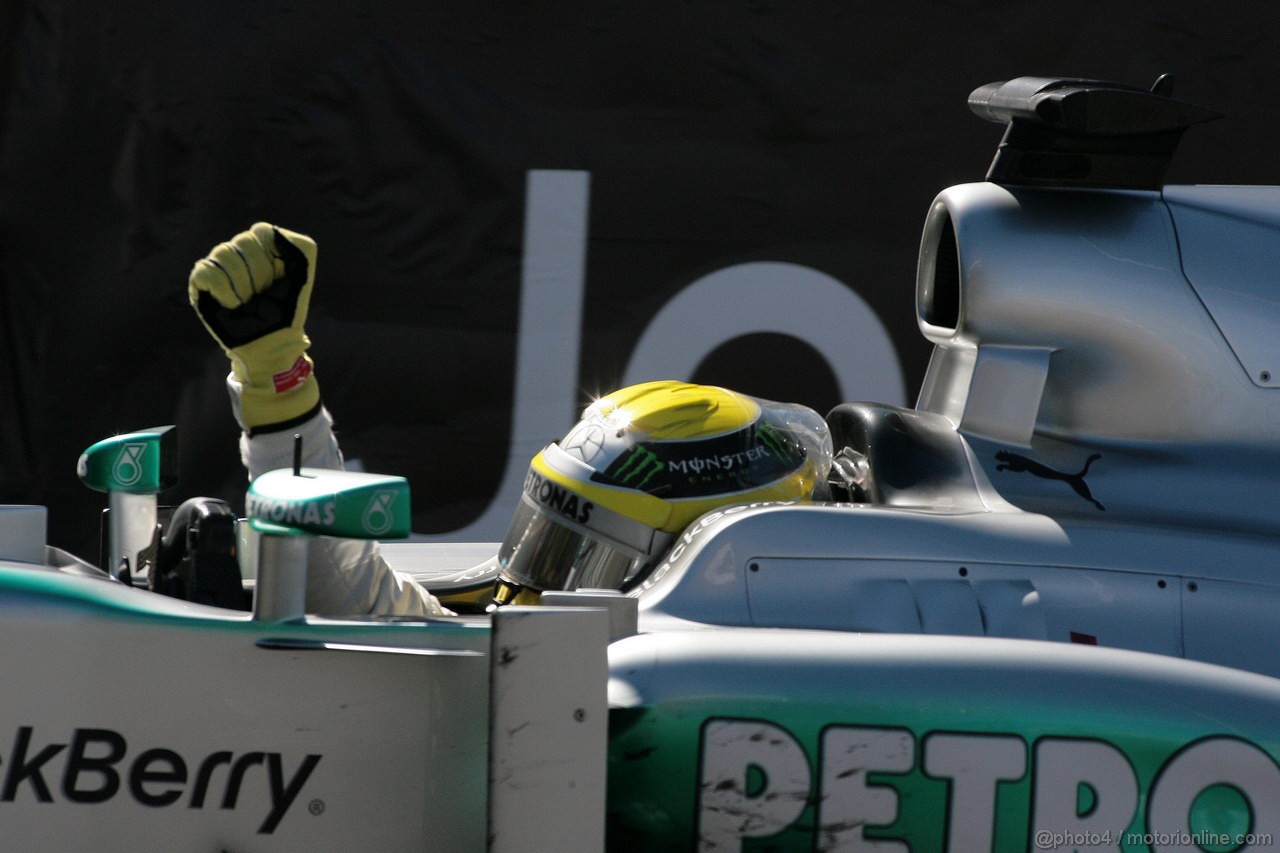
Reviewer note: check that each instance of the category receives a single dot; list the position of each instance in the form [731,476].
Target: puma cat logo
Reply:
[1014,462]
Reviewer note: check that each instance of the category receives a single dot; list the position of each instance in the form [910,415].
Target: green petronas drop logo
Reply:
[128,469]
[641,465]
[378,517]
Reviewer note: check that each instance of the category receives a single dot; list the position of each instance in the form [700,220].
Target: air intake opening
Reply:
[940,277]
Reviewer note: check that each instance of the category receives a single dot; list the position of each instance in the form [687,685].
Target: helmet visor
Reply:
[542,553]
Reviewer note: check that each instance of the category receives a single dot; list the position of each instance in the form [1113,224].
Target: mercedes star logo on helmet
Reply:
[585,442]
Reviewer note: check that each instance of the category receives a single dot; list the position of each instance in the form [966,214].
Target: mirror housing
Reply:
[132,469]
[285,507]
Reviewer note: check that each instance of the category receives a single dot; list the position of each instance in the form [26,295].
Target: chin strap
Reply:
[507,592]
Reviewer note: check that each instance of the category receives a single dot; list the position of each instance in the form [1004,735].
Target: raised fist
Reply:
[252,294]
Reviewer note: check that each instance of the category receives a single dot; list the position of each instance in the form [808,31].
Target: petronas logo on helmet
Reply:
[641,466]
[557,497]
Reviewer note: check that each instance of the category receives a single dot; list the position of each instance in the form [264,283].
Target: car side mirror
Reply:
[287,507]
[132,469]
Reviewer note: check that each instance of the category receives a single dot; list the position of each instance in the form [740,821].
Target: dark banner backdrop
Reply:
[705,136]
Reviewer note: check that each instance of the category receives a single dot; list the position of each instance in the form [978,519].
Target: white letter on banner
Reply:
[552,285]
[770,296]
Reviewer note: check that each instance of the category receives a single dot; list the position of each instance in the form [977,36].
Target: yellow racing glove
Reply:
[252,294]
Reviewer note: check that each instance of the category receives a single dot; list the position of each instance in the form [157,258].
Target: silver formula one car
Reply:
[1038,615]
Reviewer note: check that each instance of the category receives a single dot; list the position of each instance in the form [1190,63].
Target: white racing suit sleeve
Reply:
[345,577]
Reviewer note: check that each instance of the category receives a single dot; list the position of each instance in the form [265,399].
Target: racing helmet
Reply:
[601,506]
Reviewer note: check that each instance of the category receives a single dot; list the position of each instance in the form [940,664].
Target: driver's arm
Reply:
[252,294]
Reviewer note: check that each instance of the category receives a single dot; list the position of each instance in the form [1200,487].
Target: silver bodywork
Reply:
[1081,323]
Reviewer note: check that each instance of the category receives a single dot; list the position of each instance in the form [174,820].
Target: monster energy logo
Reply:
[778,443]
[640,467]
[737,461]
[710,465]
